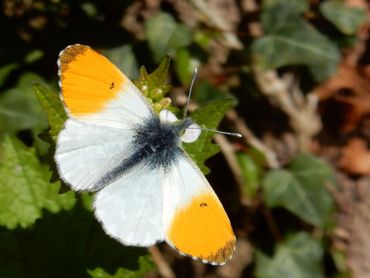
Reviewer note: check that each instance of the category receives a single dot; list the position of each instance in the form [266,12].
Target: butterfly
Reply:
[147,188]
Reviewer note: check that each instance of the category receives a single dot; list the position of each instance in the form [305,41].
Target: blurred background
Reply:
[291,76]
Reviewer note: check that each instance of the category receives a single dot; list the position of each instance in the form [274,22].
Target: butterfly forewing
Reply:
[195,222]
[85,153]
[97,92]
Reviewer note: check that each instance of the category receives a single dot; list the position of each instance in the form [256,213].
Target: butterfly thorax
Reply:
[156,143]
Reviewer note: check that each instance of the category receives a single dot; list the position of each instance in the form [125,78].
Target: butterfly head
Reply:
[186,128]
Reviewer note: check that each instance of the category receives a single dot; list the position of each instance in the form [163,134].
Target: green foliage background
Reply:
[48,231]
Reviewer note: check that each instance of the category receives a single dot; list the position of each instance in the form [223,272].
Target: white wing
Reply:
[194,220]
[84,152]
[126,110]
[130,209]
[103,108]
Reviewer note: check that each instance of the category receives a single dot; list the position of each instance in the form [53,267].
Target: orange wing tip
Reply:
[68,55]
[210,237]
[220,257]
[88,80]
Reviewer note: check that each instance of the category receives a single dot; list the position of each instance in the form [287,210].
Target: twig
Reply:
[229,153]
[211,18]
[163,267]
[272,224]
[199,269]
[300,109]
[252,140]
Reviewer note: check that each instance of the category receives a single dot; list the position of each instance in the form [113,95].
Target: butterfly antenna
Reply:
[194,78]
[195,75]
[235,134]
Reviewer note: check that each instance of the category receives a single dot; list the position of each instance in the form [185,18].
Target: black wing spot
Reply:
[203,205]
[111,86]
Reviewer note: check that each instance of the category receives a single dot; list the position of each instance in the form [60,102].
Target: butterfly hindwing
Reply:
[195,222]
[130,208]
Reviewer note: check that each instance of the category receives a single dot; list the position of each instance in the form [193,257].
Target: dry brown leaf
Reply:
[136,14]
[186,12]
[363,4]
[355,80]
[349,88]
[356,157]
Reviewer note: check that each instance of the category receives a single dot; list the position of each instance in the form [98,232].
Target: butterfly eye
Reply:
[191,134]
[167,116]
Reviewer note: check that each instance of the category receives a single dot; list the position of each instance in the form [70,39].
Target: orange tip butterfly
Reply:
[147,188]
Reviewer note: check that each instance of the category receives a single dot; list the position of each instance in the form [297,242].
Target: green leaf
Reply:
[298,6]
[300,256]
[205,92]
[154,86]
[20,109]
[165,35]
[33,56]
[25,186]
[251,173]
[346,19]
[145,266]
[208,116]
[67,244]
[185,65]
[204,38]
[301,190]
[53,106]
[339,258]
[291,40]
[124,58]
[90,9]
[5,71]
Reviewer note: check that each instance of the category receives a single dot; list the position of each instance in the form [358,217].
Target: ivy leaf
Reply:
[299,6]
[25,186]
[165,35]
[299,257]
[53,106]
[124,57]
[145,266]
[208,116]
[291,40]
[205,93]
[301,190]
[251,173]
[185,65]
[346,19]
